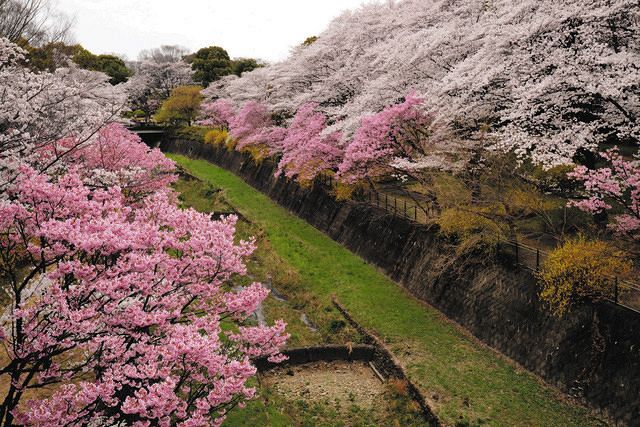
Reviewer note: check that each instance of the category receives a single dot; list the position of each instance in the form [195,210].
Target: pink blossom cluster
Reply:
[217,114]
[614,188]
[307,149]
[545,78]
[138,292]
[114,156]
[253,125]
[399,131]
[116,295]
[400,138]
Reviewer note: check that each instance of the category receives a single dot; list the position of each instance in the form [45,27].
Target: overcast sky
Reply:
[264,29]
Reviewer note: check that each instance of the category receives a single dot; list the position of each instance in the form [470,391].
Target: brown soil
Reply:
[350,383]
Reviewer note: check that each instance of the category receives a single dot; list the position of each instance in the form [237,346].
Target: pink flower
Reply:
[615,187]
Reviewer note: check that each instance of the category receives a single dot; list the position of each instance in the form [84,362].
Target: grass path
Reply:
[468,384]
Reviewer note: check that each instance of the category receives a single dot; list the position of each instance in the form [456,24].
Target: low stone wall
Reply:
[386,363]
[497,304]
[374,352]
[324,353]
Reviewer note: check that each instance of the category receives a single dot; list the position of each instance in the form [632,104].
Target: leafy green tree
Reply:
[114,67]
[111,65]
[243,65]
[49,56]
[209,64]
[182,106]
[53,55]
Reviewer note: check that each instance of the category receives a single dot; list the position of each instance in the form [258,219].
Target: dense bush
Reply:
[581,271]
[216,137]
[182,107]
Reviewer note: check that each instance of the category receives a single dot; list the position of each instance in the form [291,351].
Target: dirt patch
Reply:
[349,383]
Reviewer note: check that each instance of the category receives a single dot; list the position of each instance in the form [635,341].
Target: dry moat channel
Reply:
[341,392]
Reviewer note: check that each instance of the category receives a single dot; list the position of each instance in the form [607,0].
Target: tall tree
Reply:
[34,21]
[183,106]
[547,78]
[244,65]
[114,295]
[164,54]
[209,64]
[128,287]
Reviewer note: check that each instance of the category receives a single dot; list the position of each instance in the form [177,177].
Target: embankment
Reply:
[496,303]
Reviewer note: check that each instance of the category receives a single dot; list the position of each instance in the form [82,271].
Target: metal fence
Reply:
[624,293]
[402,207]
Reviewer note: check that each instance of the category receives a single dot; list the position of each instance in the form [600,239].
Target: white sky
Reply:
[264,29]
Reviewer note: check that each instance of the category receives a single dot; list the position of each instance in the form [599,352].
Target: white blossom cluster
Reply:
[547,77]
[153,81]
[37,109]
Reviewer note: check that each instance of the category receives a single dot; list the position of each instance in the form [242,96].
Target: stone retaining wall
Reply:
[496,303]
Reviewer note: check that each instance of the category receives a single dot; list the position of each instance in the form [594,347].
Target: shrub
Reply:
[581,271]
[344,191]
[216,137]
[258,152]
[470,228]
[182,106]
[193,133]
[231,143]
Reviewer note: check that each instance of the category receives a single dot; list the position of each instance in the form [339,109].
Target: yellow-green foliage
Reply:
[449,190]
[231,143]
[528,200]
[344,191]
[193,133]
[216,137]
[258,152]
[555,177]
[470,228]
[581,270]
[182,106]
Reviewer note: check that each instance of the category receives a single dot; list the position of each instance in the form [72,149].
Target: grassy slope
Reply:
[467,382]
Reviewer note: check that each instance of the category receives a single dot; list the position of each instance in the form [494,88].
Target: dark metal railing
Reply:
[625,293]
[403,207]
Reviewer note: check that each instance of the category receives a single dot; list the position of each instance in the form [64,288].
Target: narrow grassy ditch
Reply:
[310,322]
[467,384]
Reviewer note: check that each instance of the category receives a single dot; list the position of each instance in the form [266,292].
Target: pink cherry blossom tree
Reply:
[252,117]
[307,149]
[401,139]
[116,296]
[253,126]
[115,157]
[120,307]
[217,114]
[614,188]
[547,78]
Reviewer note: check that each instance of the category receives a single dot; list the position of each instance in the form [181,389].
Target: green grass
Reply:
[467,383]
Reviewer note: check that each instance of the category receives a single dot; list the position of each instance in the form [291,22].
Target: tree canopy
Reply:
[182,106]
[115,296]
[209,64]
[50,56]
